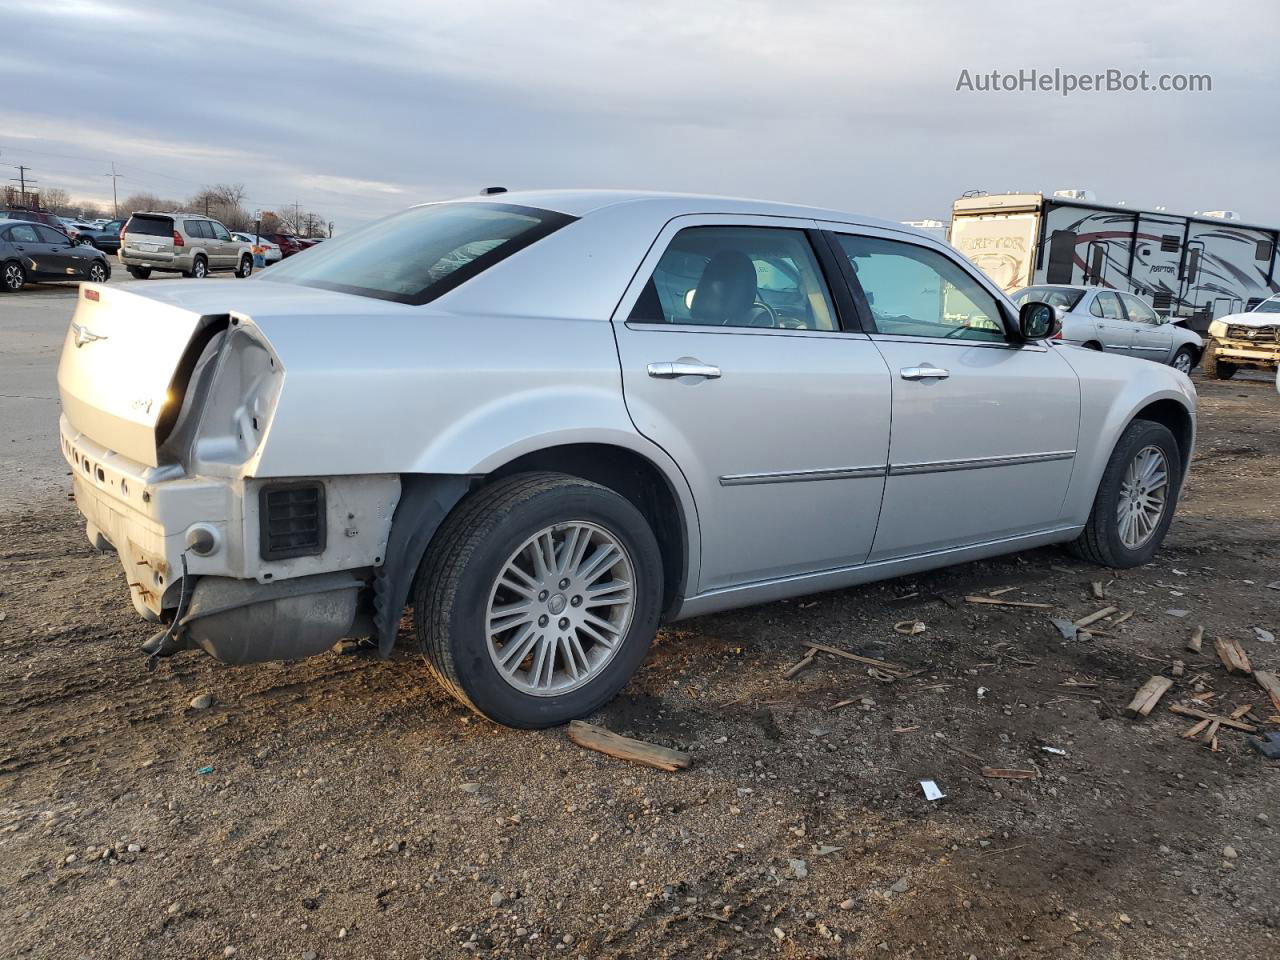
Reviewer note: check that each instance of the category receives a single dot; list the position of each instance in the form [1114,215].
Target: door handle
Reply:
[670,369]
[924,373]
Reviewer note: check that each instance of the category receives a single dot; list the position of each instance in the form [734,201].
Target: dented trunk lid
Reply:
[118,359]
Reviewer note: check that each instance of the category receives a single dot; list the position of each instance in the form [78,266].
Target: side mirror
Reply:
[1038,321]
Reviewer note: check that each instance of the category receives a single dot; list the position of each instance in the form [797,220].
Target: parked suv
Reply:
[185,243]
[1250,339]
[34,216]
[550,421]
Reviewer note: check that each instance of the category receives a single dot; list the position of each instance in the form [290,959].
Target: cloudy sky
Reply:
[356,109]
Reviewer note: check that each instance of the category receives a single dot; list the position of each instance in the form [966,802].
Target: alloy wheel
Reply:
[1182,362]
[97,273]
[560,608]
[1144,495]
[13,278]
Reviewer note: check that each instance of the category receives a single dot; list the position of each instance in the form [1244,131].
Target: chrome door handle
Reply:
[924,373]
[670,369]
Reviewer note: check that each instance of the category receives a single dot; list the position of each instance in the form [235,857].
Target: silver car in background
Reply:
[1116,322]
[550,421]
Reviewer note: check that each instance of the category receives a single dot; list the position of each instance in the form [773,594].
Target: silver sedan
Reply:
[548,422]
[1116,322]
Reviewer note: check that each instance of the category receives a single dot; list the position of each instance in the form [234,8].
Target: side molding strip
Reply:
[802,476]
[979,463]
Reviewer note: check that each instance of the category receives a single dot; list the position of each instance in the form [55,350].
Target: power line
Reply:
[115,203]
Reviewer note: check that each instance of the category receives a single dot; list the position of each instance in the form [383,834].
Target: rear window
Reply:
[150,226]
[420,254]
[1065,297]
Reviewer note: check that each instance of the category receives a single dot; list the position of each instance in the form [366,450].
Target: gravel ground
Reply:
[345,807]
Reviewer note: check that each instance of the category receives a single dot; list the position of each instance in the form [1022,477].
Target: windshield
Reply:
[419,254]
[1065,297]
[1268,306]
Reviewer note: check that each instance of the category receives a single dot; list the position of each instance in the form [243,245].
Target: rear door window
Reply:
[738,277]
[198,228]
[150,226]
[23,233]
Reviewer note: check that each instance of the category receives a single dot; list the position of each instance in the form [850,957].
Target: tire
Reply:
[1093,345]
[140,273]
[1101,541]
[1184,360]
[246,267]
[459,580]
[98,272]
[1215,368]
[199,269]
[12,276]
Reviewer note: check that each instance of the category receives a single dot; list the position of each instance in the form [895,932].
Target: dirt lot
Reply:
[345,807]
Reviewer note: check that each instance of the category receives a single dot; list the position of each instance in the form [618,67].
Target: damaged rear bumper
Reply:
[233,602]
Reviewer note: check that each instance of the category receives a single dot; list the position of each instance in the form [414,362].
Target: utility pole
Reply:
[296,218]
[22,180]
[115,204]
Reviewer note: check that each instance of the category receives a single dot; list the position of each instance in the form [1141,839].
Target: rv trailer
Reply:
[1196,268]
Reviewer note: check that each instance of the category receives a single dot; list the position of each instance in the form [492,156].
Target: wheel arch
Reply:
[1177,418]
[427,499]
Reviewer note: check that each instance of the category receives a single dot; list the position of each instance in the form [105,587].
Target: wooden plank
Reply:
[624,748]
[1148,696]
[1182,711]
[1240,711]
[1096,616]
[998,773]
[1122,618]
[869,661]
[1269,682]
[1008,603]
[795,668]
[1196,638]
[1210,737]
[1198,729]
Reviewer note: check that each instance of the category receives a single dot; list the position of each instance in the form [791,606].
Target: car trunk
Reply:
[118,363]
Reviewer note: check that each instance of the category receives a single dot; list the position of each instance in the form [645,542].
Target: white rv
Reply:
[1196,267]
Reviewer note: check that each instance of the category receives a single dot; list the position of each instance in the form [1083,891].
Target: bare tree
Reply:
[146,201]
[58,201]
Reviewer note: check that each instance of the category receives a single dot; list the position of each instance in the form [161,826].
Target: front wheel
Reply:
[1136,498]
[538,598]
[1184,361]
[1215,368]
[98,272]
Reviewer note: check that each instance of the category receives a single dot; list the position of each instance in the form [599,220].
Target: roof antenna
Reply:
[490,191]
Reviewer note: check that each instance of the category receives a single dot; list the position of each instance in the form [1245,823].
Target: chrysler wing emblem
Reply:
[84,335]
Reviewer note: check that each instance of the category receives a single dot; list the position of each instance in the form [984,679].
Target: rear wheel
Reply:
[1136,498]
[246,267]
[140,273]
[1093,345]
[1184,360]
[199,269]
[12,278]
[538,598]
[1218,369]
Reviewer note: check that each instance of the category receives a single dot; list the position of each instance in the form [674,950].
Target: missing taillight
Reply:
[91,295]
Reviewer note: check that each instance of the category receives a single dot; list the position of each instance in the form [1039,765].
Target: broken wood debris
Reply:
[796,667]
[1196,730]
[591,737]
[994,601]
[1122,618]
[1185,711]
[858,658]
[1240,711]
[1000,590]
[1097,590]
[1073,682]
[1148,696]
[999,773]
[1196,637]
[1232,655]
[1095,617]
[1178,668]
[1269,682]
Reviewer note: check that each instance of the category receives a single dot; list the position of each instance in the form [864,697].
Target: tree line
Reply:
[222,201]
